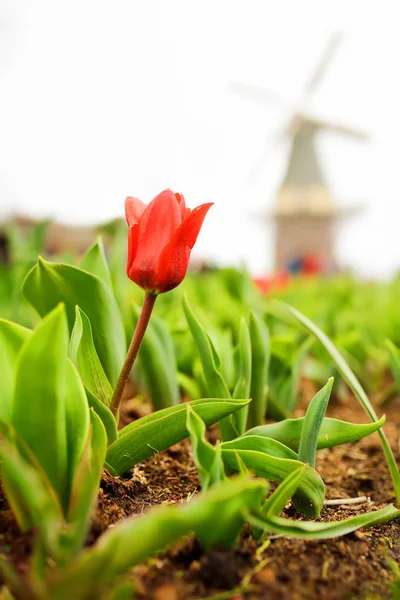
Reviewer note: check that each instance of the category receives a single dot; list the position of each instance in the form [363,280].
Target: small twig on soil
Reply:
[338,501]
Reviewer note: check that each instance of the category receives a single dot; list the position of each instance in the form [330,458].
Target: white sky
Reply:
[101,99]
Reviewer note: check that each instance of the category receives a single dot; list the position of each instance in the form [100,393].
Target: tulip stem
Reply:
[133,350]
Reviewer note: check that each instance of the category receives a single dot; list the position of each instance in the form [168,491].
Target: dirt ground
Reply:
[358,565]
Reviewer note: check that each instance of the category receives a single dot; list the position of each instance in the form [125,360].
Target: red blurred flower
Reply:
[161,237]
[277,282]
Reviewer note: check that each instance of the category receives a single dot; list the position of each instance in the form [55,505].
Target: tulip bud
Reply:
[161,237]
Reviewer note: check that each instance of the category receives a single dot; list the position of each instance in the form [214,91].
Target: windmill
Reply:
[305,212]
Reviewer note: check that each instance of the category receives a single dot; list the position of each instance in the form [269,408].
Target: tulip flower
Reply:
[160,239]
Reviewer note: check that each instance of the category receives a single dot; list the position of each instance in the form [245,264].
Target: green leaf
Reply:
[260,356]
[31,496]
[85,485]
[216,385]
[83,354]
[77,421]
[242,388]
[94,261]
[157,362]
[283,493]
[216,517]
[260,444]
[321,531]
[394,359]
[312,424]
[207,458]
[188,386]
[274,461]
[349,377]
[47,284]
[124,591]
[160,430]
[333,432]
[105,414]
[39,407]
[12,337]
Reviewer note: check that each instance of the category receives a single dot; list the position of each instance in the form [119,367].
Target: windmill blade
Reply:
[343,129]
[254,92]
[326,58]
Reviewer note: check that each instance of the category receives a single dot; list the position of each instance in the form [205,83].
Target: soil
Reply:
[359,565]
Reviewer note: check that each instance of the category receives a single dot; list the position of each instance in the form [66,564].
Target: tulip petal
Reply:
[159,221]
[185,212]
[192,225]
[174,259]
[134,209]
[132,247]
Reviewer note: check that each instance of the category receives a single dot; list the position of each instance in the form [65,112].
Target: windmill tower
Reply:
[305,213]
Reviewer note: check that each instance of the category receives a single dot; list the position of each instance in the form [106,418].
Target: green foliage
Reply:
[243,384]
[54,446]
[85,487]
[83,354]
[94,261]
[312,424]
[322,531]
[216,386]
[287,358]
[283,493]
[333,432]
[260,357]
[47,284]
[38,411]
[160,430]
[49,411]
[12,337]
[351,380]
[274,461]
[207,458]
[394,358]
[157,364]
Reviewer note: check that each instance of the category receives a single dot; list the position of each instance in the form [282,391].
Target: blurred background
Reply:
[285,114]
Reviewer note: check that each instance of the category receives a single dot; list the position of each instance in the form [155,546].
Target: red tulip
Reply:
[161,237]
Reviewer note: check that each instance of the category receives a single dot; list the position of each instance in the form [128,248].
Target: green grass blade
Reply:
[312,424]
